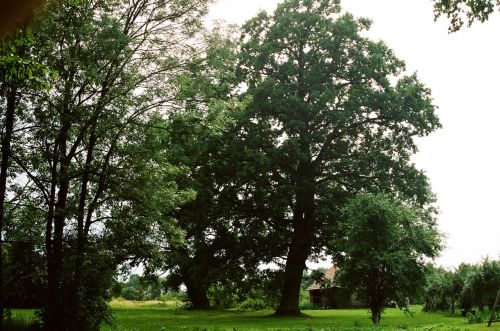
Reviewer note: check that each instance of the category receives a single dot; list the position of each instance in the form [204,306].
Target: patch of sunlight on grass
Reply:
[120,303]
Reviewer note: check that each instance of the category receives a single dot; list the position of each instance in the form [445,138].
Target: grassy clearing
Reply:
[158,316]
[166,316]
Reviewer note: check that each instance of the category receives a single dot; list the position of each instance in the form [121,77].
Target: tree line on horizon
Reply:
[133,135]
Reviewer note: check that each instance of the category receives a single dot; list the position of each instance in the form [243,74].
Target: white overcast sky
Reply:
[463,71]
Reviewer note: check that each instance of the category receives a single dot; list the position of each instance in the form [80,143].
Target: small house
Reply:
[330,295]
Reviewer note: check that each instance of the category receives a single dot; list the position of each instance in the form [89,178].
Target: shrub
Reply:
[173,296]
[253,304]
[476,317]
[129,293]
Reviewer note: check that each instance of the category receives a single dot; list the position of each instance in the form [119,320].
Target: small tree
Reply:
[481,285]
[384,245]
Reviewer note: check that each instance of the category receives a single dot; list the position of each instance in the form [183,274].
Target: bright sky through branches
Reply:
[462,69]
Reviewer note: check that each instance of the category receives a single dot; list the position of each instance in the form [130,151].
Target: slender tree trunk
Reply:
[493,309]
[81,240]
[48,238]
[376,314]
[6,149]
[300,246]
[375,298]
[55,304]
[57,254]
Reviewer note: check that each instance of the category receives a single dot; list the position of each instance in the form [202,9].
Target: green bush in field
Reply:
[129,293]
[173,296]
[253,305]
[476,317]
[223,296]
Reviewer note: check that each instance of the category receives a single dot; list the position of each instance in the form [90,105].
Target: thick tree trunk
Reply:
[196,288]
[300,246]
[197,294]
[295,264]
[6,142]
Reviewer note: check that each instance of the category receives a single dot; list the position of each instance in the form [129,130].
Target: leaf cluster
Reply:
[460,12]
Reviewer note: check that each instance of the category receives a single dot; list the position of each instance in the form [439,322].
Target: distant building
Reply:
[331,295]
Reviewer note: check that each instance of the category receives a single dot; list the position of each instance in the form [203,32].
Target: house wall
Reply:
[334,297]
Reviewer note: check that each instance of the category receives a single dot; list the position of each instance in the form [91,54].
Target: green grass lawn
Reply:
[146,317]
[155,316]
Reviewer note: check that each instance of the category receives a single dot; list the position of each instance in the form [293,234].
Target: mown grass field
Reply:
[157,316]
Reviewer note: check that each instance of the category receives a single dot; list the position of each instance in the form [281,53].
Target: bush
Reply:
[221,296]
[173,296]
[129,293]
[476,317]
[25,277]
[253,304]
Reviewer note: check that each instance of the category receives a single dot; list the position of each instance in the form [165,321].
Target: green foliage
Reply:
[482,284]
[25,277]
[16,68]
[436,289]
[308,278]
[143,288]
[466,287]
[461,11]
[444,289]
[173,296]
[117,289]
[222,296]
[474,317]
[130,293]
[253,305]
[386,243]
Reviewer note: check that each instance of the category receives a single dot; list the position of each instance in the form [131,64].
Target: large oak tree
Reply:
[331,113]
